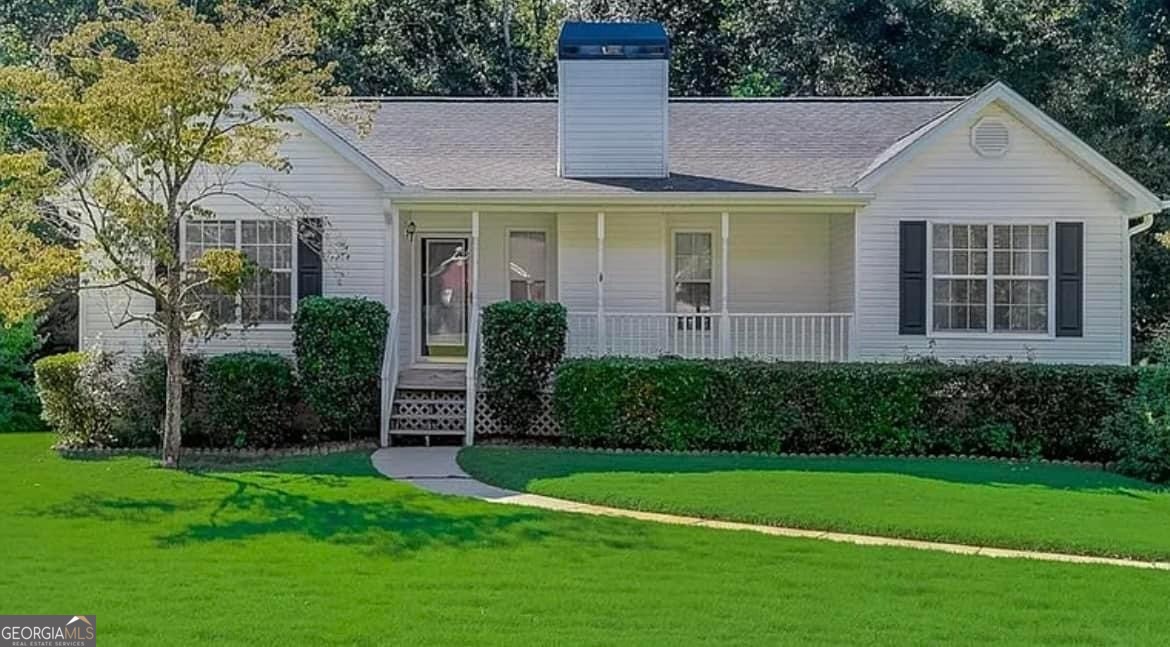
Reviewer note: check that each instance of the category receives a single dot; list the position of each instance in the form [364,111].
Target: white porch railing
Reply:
[389,376]
[810,337]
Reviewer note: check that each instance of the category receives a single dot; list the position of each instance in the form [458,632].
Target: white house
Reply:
[824,229]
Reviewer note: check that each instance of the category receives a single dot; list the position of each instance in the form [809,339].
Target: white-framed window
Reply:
[527,265]
[692,273]
[990,278]
[267,297]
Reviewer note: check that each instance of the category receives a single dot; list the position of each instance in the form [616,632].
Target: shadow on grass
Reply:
[303,498]
[517,468]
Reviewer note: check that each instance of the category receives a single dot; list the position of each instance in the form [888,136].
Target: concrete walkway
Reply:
[435,469]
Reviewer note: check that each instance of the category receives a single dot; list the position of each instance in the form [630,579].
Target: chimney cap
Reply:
[613,40]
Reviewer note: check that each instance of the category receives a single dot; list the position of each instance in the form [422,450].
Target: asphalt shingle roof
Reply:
[715,144]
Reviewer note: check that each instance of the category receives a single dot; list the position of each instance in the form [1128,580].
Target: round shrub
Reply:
[251,399]
[81,397]
[339,346]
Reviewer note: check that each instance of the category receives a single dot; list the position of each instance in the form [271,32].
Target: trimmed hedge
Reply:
[523,341]
[250,400]
[339,345]
[990,409]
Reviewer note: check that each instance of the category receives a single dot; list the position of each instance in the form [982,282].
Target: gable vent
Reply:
[990,138]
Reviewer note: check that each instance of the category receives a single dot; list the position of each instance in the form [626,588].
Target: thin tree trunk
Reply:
[507,22]
[172,424]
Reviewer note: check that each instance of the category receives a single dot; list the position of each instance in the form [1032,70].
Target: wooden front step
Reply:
[434,379]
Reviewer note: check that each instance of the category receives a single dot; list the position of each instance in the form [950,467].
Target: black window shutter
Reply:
[309,259]
[1070,279]
[912,277]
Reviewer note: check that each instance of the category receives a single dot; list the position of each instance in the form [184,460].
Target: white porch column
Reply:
[725,316]
[394,262]
[472,336]
[390,297]
[601,341]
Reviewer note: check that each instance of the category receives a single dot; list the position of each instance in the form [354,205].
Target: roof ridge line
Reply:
[721,99]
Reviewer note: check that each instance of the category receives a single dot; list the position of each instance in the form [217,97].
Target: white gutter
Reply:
[681,198]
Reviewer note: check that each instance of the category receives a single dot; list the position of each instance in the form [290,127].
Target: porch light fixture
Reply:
[410,229]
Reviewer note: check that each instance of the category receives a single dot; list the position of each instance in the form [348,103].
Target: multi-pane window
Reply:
[200,237]
[266,297]
[1021,278]
[527,266]
[692,272]
[959,260]
[990,278]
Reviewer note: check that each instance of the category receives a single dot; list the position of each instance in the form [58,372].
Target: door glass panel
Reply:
[446,297]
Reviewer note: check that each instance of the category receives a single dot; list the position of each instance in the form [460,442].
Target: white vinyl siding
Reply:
[613,118]
[841,246]
[576,253]
[779,263]
[1033,182]
[352,205]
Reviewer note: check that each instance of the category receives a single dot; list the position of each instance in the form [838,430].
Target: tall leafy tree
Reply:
[144,115]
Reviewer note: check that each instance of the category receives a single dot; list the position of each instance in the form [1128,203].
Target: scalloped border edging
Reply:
[1092,465]
[204,452]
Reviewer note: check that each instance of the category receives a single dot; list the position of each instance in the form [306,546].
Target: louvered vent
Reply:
[990,138]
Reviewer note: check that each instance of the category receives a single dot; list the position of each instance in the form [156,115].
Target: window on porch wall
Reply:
[527,266]
[693,278]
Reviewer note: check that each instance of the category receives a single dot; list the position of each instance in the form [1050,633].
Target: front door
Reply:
[445,297]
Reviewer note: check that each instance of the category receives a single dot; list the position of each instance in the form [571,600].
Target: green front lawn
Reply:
[1032,506]
[324,551]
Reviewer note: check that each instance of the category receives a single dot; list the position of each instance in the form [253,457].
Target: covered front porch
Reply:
[769,280]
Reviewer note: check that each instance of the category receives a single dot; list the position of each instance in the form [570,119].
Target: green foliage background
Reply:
[1098,66]
[19,407]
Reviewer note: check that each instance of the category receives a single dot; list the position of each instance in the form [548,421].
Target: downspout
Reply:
[1147,220]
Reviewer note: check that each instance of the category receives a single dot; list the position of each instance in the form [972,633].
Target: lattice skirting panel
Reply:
[421,410]
[486,424]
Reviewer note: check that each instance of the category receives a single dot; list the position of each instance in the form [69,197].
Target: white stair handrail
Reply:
[472,377]
[389,377]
